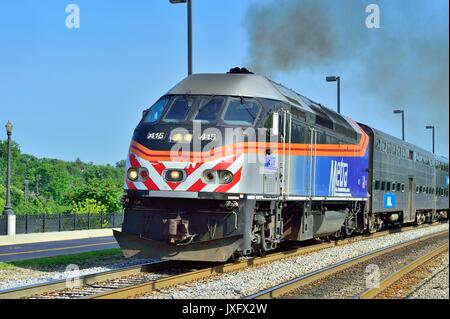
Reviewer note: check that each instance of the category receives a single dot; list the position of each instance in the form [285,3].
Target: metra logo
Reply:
[338,179]
[389,201]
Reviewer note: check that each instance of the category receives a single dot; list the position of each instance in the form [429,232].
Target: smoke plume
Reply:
[405,63]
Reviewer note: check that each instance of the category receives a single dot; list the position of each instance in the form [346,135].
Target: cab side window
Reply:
[298,134]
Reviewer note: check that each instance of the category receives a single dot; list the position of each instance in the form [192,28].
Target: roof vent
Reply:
[238,70]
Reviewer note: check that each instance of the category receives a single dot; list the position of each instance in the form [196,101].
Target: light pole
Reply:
[11,217]
[189,30]
[8,209]
[402,112]
[338,80]
[430,127]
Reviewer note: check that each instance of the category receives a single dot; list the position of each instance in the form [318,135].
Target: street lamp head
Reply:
[177,1]
[9,128]
[332,78]
[430,127]
[398,111]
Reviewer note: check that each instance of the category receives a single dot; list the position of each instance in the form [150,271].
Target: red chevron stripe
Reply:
[131,185]
[159,167]
[197,186]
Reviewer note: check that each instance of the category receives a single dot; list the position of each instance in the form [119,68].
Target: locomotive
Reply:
[230,165]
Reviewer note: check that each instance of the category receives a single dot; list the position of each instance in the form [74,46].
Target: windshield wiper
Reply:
[246,108]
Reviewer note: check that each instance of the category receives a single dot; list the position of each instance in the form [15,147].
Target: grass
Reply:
[54,261]
[4,266]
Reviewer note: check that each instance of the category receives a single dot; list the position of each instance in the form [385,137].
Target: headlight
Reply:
[188,137]
[177,137]
[219,177]
[174,175]
[181,137]
[133,174]
[225,177]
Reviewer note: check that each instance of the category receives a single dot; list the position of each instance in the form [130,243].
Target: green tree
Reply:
[55,185]
[88,205]
[106,192]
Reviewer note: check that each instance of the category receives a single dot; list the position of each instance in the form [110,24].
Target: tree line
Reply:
[42,185]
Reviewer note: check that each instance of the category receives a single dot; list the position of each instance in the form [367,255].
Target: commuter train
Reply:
[231,165]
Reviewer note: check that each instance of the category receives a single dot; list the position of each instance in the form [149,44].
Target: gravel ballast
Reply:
[350,283]
[436,286]
[253,280]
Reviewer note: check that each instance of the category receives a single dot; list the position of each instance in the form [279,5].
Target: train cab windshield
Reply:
[216,110]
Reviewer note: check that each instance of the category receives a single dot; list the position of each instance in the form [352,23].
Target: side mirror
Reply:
[275,123]
[144,113]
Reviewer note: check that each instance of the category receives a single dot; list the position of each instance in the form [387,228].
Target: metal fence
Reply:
[42,223]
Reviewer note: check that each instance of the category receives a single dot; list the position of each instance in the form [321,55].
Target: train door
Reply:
[410,216]
[286,158]
[307,217]
[276,154]
[311,162]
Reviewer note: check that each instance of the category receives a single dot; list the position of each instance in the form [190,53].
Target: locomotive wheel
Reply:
[261,253]
[346,231]
[371,225]
[236,258]
[420,219]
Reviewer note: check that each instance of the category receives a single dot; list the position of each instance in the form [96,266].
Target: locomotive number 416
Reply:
[156,135]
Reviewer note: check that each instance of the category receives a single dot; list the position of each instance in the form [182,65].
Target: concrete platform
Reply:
[54,236]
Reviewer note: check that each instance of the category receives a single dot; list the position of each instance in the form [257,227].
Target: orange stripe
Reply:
[256,147]
[346,150]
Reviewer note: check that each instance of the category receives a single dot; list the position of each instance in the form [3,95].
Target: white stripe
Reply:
[153,174]
[195,176]
[139,185]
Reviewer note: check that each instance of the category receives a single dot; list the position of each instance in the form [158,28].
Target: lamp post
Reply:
[8,209]
[189,30]
[430,127]
[402,112]
[338,80]
[11,217]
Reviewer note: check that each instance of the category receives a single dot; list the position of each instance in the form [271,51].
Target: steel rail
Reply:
[149,287]
[56,285]
[395,277]
[288,286]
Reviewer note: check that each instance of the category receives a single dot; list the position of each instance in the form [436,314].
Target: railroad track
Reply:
[149,287]
[98,282]
[134,281]
[328,274]
[389,287]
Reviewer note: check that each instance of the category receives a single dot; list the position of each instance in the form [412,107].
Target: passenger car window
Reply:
[155,112]
[377,185]
[241,112]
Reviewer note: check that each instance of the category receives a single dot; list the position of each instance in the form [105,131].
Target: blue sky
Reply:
[79,93]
